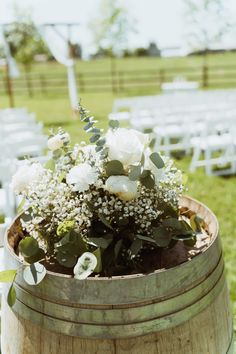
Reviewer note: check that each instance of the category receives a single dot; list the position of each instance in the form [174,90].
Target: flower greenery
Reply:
[98,209]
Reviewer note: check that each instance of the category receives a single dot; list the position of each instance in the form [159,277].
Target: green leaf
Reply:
[96,131]
[34,273]
[7,276]
[50,165]
[196,223]
[114,124]
[134,173]
[11,297]
[101,142]
[57,154]
[136,246]
[191,242]
[26,216]
[28,246]
[62,176]
[157,160]
[105,221]
[98,255]
[100,241]
[148,181]
[114,168]
[162,236]
[98,148]
[146,238]
[20,207]
[142,160]
[64,227]
[94,138]
[39,256]
[172,223]
[66,259]
[184,235]
[88,126]
[117,248]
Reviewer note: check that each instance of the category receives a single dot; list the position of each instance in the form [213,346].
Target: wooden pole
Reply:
[9,86]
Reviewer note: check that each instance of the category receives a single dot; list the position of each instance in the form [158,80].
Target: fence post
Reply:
[120,81]
[28,84]
[162,76]
[43,84]
[205,76]
[9,86]
[81,82]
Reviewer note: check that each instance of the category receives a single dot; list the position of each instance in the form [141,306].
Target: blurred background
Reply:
[160,66]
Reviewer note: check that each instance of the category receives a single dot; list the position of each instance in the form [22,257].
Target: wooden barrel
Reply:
[181,310]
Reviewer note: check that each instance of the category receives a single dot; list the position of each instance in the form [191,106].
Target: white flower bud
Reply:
[122,187]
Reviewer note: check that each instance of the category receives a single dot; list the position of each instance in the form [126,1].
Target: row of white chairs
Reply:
[202,123]
[20,136]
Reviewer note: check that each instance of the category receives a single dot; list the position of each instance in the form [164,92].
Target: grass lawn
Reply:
[219,193]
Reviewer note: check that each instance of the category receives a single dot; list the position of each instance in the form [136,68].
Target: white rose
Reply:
[81,177]
[122,186]
[126,145]
[25,176]
[85,265]
[57,141]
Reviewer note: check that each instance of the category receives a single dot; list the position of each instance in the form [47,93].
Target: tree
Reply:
[207,23]
[111,29]
[24,40]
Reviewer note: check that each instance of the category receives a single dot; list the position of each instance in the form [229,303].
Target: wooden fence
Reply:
[121,81]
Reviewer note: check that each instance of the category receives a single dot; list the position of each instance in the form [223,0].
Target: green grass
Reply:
[219,193]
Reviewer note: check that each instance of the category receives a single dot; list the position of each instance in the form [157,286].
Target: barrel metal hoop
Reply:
[133,329]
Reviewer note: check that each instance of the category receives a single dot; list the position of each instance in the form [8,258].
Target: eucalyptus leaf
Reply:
[11,297]
[162,236]
[148,181]
[94,138]
[172,223]
[114,124]
[117,248]
[98,255]
[34,273]
[135,173]
[88,126]
[136,246]
[146,238]
[101,142]
[157,160]
[114,168]
[100,241]
[39,256]
[7,276]
[28,247]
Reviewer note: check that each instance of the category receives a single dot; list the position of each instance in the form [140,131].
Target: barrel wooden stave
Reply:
[184,309]
[23,337]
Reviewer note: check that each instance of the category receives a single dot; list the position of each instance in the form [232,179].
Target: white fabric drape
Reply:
[57,40]
[13,69]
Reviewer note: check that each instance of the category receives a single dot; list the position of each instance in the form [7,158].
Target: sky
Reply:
[161,21]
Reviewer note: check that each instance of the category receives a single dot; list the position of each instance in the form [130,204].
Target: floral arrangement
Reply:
[99,209]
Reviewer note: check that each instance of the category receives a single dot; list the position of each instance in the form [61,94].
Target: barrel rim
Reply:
[129,276]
